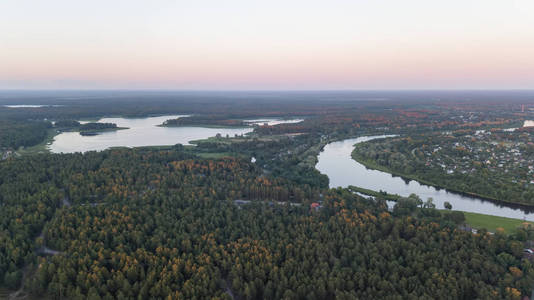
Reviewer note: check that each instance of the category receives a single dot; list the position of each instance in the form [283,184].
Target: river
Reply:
[145,132]
[336,162]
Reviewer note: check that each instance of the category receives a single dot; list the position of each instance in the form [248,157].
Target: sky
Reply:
[267,45]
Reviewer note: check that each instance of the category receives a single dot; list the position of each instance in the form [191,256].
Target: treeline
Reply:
[97,126]
[14,134]
[139,104]
[67,124]
[209,120]
[90,128]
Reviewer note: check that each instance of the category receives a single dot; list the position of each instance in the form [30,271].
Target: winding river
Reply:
[336,162]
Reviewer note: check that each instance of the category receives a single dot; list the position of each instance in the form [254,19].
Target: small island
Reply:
[87,129]
[205,121]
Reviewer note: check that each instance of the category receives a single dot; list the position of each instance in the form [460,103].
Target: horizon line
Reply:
[253,90]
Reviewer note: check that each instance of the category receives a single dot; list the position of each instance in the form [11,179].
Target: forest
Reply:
[158,224]
[15,134]
[290,157]
[243,217]
[93,128]
[206,120]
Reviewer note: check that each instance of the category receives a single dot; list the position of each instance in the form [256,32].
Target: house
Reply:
[315,206]
[466,227]
[528,253]
[7,154]
[240,202]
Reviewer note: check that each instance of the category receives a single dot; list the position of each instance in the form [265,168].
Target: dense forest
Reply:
[157,224]
[97,126]
[89,128]
[15,134]
[290,157]
[67,124]
[93,128]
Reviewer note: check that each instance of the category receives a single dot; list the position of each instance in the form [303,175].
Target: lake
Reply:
[336,162]
[30,106]
[271,121]
[146,132]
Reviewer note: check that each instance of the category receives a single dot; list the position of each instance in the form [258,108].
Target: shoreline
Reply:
[476,220]
[98,131]
[374,166]
[205,126]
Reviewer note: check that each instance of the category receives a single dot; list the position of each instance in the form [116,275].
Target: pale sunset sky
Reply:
[275,44]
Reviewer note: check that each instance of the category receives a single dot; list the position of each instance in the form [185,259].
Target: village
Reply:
[505,153]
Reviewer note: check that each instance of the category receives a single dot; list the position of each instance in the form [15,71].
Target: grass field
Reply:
[491,223]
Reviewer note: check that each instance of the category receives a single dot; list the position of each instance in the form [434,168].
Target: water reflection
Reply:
[146,132]
[141,132]
[273,121]
[335,161]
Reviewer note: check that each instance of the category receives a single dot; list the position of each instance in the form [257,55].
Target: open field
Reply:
[491,223]
[478,221]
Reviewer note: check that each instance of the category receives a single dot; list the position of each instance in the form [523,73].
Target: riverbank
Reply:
[205,126]
[343,170]
[380,194]
[375,166]
[475,220]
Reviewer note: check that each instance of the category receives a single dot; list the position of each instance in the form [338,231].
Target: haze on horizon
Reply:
[238,44]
